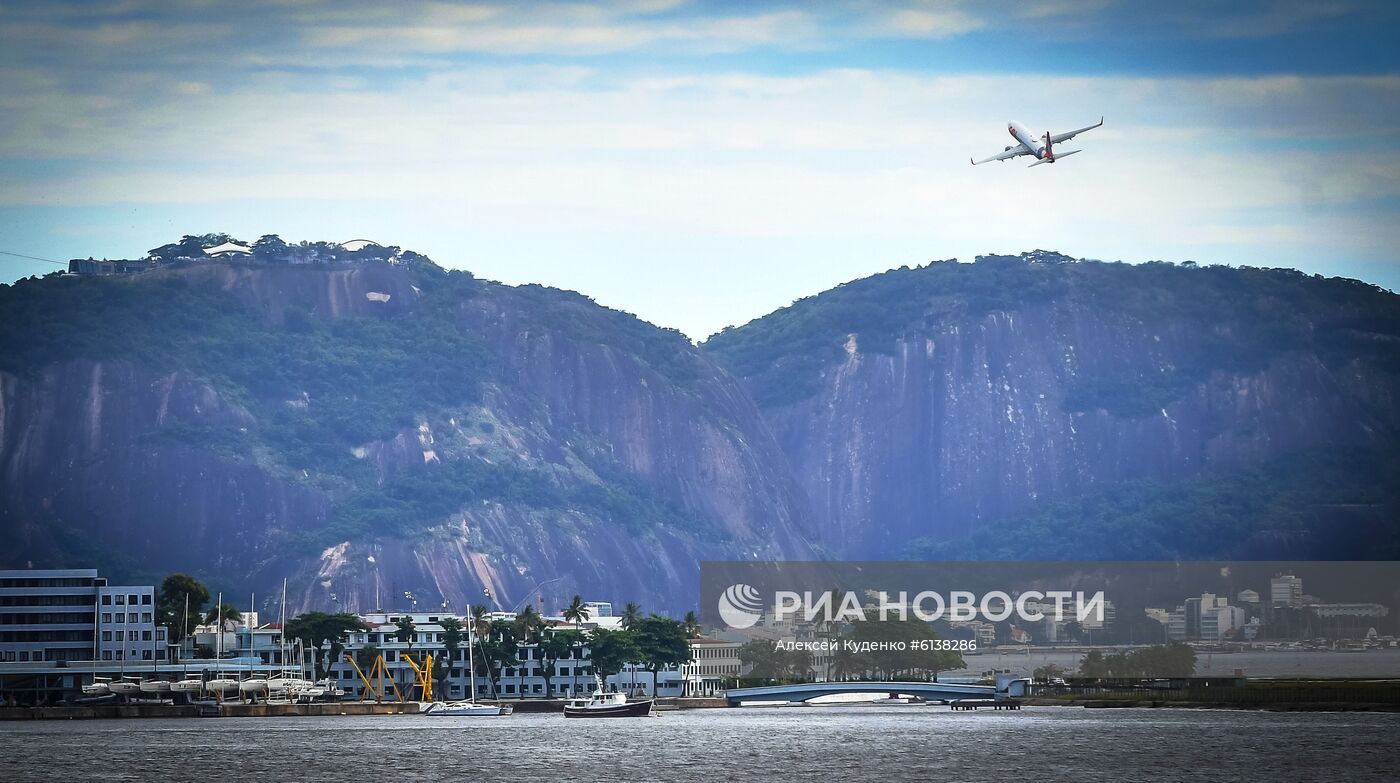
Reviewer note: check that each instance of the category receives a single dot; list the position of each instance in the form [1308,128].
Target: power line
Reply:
[32,258]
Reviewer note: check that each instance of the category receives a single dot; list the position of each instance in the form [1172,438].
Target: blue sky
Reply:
[701,164]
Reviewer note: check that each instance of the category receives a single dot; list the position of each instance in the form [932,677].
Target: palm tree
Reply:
[576,613]
[691,624]
[480,626]
[229,612]
[631,613]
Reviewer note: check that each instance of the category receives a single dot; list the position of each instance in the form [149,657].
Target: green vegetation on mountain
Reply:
[1239,319]
[319,388]
[1333,503]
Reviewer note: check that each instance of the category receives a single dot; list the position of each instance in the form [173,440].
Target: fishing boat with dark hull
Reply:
[608,705]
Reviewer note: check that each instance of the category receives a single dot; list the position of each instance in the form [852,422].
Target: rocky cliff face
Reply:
[382,430]
[604,456]
[954,417]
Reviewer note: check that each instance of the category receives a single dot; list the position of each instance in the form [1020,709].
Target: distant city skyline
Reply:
[702,164]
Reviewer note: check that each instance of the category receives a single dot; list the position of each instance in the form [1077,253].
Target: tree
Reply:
[178,591]
[318,629]
[498,651]
[631,613]
[554,647]
[662,643]
[364,658]
[527,627]
[227,611]
[765,661]
[1048,672]
[611,650]
[576,613]
[269,247]
[405,630]
[691,623]
[452,645]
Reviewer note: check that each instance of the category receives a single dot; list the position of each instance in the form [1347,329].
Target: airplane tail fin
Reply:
[1049,147]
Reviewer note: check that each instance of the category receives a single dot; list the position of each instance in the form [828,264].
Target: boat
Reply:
[468,706]
[221,684]
[253,686]
[608,705]
[98,687]
[450,708]
[125,686]
[187,685]
[155,686]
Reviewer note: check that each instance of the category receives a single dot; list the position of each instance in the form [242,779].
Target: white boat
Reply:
[187,685]
[221,684]
[608,705]
[155,686]
[98,687]
[451,708]
[253,685]
[126,686]
[284,684]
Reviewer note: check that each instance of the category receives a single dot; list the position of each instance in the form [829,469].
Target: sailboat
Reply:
[468,706]
[187,684]
[221,683]
[255,683]
[285,687]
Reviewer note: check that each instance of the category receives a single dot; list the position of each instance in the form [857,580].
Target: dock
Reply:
[974,704]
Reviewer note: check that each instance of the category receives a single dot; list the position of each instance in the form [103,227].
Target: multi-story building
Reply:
[1286,590]
[74,615]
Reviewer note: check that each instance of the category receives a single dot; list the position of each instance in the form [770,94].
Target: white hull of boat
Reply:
[221,685]
[187,686]
[252,686]
[96,689]
[155,686]
[124,688]
[457,708]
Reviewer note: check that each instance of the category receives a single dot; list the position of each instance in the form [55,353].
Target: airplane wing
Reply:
[1019,149]
[1059,137]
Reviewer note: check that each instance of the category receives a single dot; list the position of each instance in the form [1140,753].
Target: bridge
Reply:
[933,691]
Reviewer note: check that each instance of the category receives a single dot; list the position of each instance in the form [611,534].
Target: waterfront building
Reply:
[1286,590]
[74,615]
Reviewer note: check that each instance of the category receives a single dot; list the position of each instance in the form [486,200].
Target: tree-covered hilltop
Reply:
[1238,319]
[321,389]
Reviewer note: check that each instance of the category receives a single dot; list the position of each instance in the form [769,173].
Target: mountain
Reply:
[1034,406]
[374,429]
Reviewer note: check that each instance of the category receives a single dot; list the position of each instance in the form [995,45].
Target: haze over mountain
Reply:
[369,425]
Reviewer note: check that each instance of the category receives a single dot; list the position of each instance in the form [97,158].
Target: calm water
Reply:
[761,744]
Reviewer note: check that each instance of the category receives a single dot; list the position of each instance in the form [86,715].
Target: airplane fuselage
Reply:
[1023,136]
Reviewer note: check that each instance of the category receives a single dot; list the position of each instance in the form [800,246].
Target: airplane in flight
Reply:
[1026,144]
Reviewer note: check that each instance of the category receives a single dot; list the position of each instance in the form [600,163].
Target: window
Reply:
[121,600]
[146,655]
[120,636]
[145,617]
[146,599]
[106,600]
[106,636]
[133,599]
[121,617]
[106,655]
[131,618]
[145,636]
[106,617]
